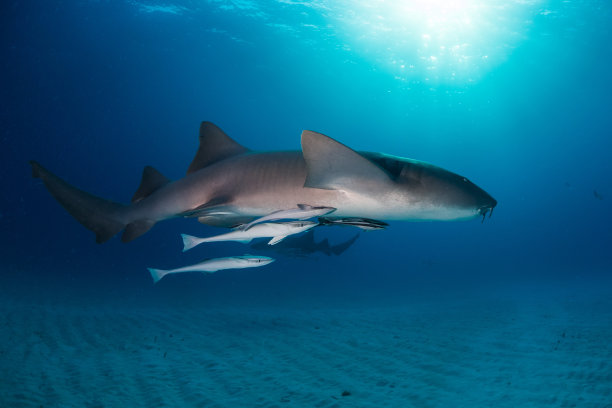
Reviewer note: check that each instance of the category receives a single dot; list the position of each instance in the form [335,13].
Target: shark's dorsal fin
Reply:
[152,180]
[215,145]
[331,165]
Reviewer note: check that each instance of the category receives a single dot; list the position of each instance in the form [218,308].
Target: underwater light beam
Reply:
[437,41]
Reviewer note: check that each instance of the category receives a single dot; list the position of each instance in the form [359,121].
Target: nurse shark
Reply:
[227,185]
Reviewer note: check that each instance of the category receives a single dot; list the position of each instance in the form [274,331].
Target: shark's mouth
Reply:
[486,210]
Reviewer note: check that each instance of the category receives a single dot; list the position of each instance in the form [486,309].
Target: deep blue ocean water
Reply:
[514,95]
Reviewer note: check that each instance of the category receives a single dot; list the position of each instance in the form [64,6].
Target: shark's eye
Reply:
[465,180]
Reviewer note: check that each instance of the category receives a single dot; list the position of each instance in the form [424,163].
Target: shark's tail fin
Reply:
[190,241]
[157,274]
[95,213]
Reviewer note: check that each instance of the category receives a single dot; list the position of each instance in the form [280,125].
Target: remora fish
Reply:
[365,224]
[215,264]
[228,184]
[303,212]
[277,230]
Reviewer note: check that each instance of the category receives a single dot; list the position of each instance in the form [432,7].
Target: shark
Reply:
[228,184]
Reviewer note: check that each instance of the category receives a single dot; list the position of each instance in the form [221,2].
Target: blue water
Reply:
[96,90]
[513,95]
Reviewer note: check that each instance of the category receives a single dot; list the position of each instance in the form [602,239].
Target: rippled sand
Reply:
[505,353]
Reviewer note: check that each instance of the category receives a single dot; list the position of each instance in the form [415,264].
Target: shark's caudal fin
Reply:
[95,213]
[157,274]
[104,217]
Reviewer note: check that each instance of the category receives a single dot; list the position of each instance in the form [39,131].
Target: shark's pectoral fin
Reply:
[135,229]
[218,212]
[331,165]
[225,221]
[215,146]
[276,240]
[218,206]
[152,180]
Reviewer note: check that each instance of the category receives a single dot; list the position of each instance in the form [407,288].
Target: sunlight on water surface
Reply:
[438,41]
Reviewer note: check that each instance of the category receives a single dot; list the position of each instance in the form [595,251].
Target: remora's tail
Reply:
[157,274]
[190,241]
[95,213]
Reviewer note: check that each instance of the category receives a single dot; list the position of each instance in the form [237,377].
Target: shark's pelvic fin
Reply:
[227,221]
[216,206]
[331,165]
[135,229]
[152,180]
[215,146]
[101,216]
[218,212]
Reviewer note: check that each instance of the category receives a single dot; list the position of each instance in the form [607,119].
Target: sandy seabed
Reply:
[503,353]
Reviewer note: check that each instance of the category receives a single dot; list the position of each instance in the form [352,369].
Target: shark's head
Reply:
[436,193]
[389,186]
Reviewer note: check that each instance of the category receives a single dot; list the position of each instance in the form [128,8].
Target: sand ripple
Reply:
[505,356]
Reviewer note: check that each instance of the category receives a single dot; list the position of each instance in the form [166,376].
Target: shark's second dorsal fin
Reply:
[215,145]
[331,165]
[152,180]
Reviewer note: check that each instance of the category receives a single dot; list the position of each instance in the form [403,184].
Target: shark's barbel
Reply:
[214,265]
[228,184]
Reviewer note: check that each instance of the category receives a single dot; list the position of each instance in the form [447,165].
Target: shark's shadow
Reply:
[304,245]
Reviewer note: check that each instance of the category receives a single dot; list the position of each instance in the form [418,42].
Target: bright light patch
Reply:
[437,41]
[449,42]
[159,8]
